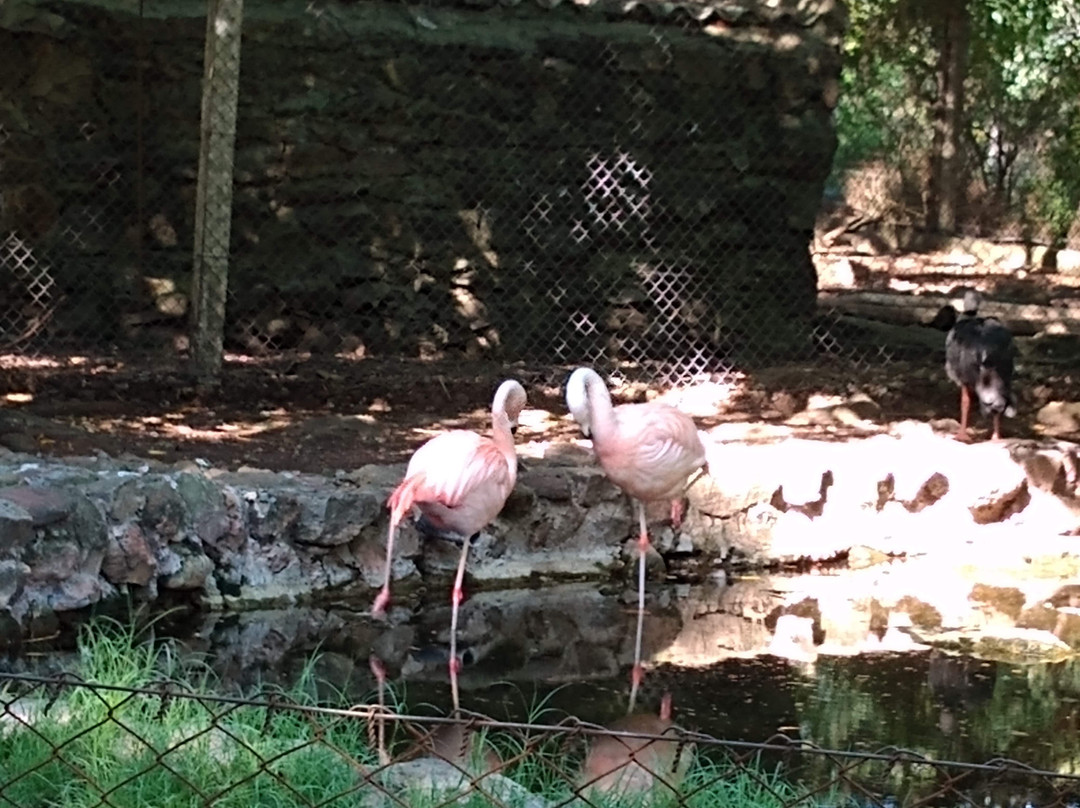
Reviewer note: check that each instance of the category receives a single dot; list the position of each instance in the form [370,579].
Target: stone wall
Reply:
[82,532]
[461,178]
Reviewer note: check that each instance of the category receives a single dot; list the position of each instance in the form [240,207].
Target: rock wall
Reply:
[461,178]
[82,532]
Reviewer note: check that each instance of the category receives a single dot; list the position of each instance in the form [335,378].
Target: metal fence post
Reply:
[213,199]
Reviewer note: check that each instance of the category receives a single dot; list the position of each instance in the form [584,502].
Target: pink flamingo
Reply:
[620,765]
[459,481]
[648,450]
[458,743]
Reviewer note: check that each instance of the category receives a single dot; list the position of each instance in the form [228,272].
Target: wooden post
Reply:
[213,195]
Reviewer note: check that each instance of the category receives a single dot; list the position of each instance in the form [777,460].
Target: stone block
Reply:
[16,528]
[195,569]
[13,576]
[129,558]
[45,506]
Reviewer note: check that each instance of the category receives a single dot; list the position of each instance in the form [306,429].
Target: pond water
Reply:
[570,648]
[946,707]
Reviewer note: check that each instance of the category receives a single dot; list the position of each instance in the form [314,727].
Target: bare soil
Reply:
[318,414]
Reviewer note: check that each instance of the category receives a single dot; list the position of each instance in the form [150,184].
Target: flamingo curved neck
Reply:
[601,410]
[500,429]
[502,435]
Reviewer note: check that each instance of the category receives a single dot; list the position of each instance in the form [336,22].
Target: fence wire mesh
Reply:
[626,188]
[75,743]
[87,182]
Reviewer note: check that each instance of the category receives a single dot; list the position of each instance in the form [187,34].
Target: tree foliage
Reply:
[1020,115]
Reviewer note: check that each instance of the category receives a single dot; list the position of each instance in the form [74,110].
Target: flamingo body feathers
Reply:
[459,480]
[651,451]
[648,450]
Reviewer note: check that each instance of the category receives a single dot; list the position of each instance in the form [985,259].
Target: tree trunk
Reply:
[946,185]
[213,193]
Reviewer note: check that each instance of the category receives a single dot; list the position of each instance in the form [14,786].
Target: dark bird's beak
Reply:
[513,429]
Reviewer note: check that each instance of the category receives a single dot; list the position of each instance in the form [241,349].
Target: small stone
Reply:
[1000,504]
[19,442]
[127,501]
[163,512]
[445,781]
[1044,472]
[860,557]
[935,487]
[78,591]
[205,502]
[1019,645]
[194,570]
[1060,416]
[520,503]
[53,558]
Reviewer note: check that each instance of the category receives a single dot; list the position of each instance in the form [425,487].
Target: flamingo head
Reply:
[510,400]
[577,397]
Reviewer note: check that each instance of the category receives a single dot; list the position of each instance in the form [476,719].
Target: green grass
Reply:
[77,747]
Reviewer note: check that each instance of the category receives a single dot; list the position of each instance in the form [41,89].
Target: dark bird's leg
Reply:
[997,426]
[965,411]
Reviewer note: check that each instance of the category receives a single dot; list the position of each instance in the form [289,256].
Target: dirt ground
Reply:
[319,414]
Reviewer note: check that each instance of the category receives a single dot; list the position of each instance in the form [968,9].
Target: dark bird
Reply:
[945,318]
[979,356]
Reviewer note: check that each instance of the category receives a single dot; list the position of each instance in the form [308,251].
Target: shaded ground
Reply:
[317,414]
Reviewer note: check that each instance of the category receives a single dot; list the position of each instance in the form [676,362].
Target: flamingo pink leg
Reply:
[676,513]
[382,600]
[456,597]
[379,670]
[638,673]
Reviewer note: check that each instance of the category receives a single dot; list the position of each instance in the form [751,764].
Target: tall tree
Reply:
[951,22]
[961,95]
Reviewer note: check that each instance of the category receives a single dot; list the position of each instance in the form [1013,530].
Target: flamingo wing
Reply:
[656,447]
[662,437]
[457,465]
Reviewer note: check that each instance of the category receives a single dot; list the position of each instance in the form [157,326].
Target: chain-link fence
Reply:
[67,742]
[93,214]
[631,186]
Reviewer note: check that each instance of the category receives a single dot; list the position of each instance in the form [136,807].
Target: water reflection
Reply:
[571,647]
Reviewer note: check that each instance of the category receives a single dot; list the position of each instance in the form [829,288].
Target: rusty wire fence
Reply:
[69,742]
[645,189]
